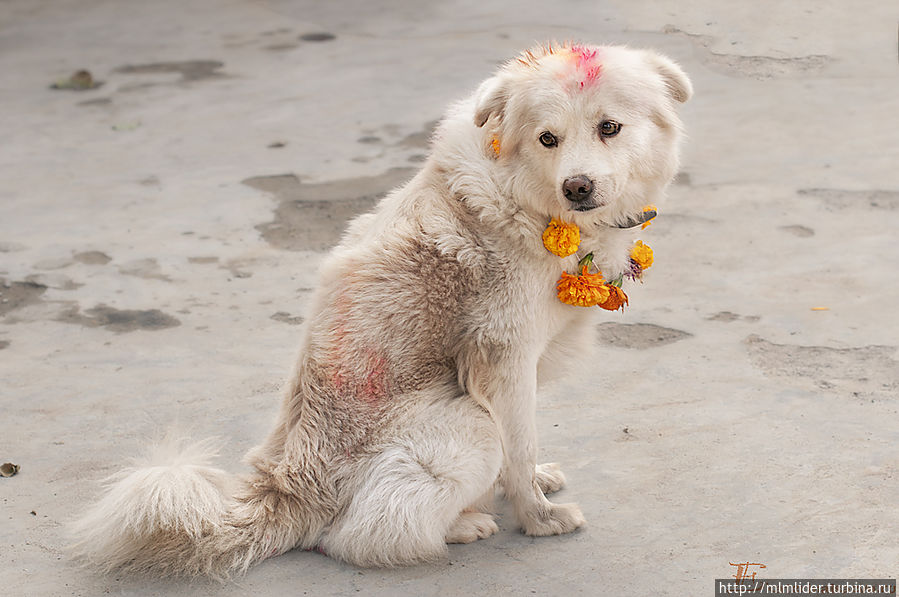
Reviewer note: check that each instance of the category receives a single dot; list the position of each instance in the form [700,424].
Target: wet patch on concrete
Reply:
[318,36]
[15,295]
[311,217]
[53,280]
[836,199]
[190,70]
[862,371]
[143,268]
[285,317]
[391,136]
[797,230]
[120,321]
[638,335]
[100,101]
[281,47]
[683,179]
[754,67]
[11,247]
[237,40]
[239,268]
[420,139]
[92,257]
[53,263]
[727,317]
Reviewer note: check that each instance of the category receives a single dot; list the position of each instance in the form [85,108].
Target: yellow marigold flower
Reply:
[584,290]
[642,255]
[495,145]
[617,299]
[561,238]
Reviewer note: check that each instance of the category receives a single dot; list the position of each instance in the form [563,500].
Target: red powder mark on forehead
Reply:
[583,54]
[586,64]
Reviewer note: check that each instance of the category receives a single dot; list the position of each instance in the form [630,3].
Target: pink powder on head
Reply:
[583,54]
[587,65]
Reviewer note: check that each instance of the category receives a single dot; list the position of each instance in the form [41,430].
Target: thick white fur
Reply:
[436,317]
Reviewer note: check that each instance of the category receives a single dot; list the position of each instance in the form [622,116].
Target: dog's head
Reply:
[581,132]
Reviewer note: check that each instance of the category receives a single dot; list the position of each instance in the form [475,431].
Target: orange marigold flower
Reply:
[561,238]
[642,255]
[617,299]
[584,290]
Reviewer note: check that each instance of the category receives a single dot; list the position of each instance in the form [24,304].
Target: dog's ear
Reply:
[489,100]
[677,81]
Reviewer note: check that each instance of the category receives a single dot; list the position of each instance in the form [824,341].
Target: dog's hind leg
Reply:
[408,498]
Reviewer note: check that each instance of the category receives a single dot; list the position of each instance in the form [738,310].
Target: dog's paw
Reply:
[554,519]
[471,526]
[550,477]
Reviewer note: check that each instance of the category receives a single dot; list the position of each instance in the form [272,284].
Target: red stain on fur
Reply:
[358,372]
[587,65]
[375,386]
[341,343]
[363,377]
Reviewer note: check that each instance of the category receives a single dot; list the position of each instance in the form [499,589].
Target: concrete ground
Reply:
[159,236]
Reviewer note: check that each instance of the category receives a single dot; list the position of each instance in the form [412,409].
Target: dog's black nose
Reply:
[577,188]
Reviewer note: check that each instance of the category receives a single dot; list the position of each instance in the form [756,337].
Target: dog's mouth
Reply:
[582,206]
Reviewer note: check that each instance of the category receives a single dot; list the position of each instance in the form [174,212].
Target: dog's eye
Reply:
[609,128]
[548,139]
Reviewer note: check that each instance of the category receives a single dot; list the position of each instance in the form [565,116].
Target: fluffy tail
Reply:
[172,514]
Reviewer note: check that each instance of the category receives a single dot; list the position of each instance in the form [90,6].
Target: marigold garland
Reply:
[641,254]
[586,289]
[561,238]
[617,299]
[582,290]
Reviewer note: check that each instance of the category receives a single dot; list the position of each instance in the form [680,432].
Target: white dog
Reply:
[435,318]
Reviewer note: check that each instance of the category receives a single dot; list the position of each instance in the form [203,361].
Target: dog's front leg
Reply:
[511,392]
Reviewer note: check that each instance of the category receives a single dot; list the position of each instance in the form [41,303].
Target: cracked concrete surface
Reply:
[159,238]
